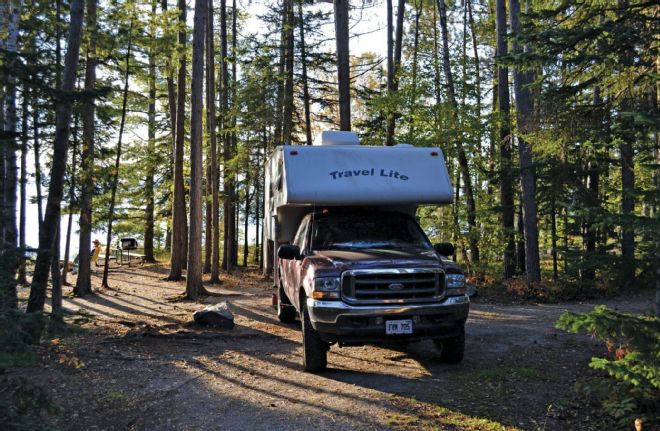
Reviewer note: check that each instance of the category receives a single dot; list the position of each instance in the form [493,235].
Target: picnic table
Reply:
[120,255]
[126,254]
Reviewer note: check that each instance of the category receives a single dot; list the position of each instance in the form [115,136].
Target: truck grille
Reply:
[401,286]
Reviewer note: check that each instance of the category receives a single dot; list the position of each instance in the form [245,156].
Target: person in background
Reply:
[96,252]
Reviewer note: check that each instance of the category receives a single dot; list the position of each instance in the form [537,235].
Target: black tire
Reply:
[452,349]
[286,313]
[315,350]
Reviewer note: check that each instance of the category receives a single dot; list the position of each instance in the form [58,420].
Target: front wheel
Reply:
[315,350]
[452,349]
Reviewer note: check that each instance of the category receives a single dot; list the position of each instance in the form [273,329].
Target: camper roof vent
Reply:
[337,138]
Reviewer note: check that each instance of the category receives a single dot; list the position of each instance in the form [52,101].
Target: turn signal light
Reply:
[325,295]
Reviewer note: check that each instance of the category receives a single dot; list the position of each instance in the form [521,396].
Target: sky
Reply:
[368,34]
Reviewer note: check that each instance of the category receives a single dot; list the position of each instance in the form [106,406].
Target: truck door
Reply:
[291,268]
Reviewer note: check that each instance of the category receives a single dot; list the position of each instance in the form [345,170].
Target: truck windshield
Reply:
[367,230]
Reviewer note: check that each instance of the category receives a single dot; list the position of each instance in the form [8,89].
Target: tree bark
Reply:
[151,147]
[55,275]
[413,98]
[390,71]
[9,252]
[593,202]
[179,222]
[171,103]
[343,63]
[226,144]
[215,175]
[36,144]
[462,158]
[287,113]
[83,281]
[525,120]
[72,204]
[392,77]
[303,64]
[246,220]
[506,177]
[60,147]
[115,173]
[21,279]
[194,274]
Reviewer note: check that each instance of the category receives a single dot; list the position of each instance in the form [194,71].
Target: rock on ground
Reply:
[216,315]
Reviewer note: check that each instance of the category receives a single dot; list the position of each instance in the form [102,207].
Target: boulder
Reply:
[216,315]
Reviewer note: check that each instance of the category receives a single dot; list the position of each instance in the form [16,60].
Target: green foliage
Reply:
[633,345]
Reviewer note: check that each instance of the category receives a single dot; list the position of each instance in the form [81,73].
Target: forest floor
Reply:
[135,361]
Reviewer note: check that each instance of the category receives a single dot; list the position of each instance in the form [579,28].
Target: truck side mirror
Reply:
[289,252]
[445,248]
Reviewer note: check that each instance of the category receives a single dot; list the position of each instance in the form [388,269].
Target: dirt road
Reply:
[138,364]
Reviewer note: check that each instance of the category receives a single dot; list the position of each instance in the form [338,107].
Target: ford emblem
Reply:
[395,286]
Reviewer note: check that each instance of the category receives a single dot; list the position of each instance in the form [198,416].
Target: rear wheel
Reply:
[286,312]
[452,349]
[315,350]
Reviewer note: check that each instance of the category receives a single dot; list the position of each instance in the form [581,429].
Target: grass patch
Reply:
[414,414]
[506,372]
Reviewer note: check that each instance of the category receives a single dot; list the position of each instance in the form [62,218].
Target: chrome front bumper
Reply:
[337,321]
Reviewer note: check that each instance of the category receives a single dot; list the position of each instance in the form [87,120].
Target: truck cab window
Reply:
[299,239]
[368,230]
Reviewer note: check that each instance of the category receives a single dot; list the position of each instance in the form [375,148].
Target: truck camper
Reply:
[347,254]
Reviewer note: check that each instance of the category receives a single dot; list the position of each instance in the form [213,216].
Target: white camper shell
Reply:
[340,172]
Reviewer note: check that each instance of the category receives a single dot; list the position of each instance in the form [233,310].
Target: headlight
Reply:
[455,284]
[326,284]
[455,281]
[326,288]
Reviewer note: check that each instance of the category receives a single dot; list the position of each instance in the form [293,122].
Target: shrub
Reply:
[632,362]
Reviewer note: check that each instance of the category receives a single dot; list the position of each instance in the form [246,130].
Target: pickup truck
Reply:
[359,276]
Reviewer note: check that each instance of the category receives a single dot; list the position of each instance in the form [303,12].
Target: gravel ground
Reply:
[138,363]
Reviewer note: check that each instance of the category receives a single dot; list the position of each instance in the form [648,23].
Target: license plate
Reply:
[395,327]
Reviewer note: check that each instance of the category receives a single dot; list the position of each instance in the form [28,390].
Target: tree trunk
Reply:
[21,279]
[151,148]
[233,227]
[72,204]
[55,275]
[226,144]
[215,175]
[520,243]
[83,281]
[390,72]
[506,177]
[171,103]
[9,237]
[279,103]
[593,202]
[477,66]
[194,274]
[287,113]
[245,222]
[115,173]
[413,97]
[37,157]
[526,124]
[343,63]
[60,147]
[392,76]
[553,236]
[179,222]
[257,219]
[303,63]
[462,158]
